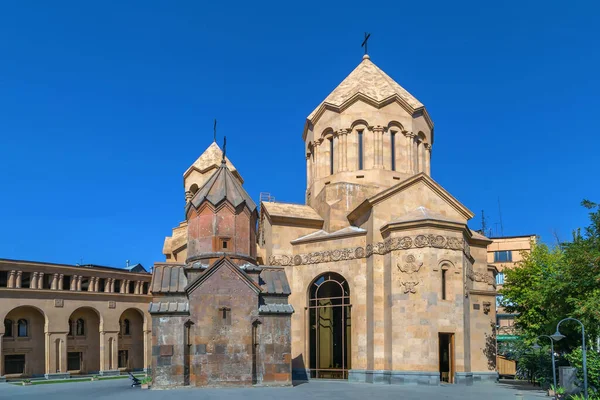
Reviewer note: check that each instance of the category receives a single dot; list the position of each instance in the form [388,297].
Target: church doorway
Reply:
[330,327]
[446,352]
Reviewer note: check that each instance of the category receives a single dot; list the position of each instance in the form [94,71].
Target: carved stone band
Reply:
[381,248]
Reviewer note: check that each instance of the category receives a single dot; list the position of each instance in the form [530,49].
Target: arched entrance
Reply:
[83,341]
[329,327]
[23,343]
[131,340]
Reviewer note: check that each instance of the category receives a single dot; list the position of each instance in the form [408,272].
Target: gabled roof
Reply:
[223,262]
[290,210]
[370,83]
[211,159]
[423,214]
[222,185]
[427,181]
[323,235]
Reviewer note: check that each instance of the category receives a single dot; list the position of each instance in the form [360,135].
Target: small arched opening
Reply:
[329,327]
[23,343]
[130,356]
[83,341]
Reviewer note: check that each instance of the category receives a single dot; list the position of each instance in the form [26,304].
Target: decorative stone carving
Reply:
[381,248]
[409,287]
[410,268]
[112,304]
[59,303]
[481,277]
[487,306]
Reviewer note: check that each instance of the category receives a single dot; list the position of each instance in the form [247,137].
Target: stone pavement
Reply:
[315,390]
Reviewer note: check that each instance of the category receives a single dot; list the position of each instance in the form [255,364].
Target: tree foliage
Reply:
[552,283]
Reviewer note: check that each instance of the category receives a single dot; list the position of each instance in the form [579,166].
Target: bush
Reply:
[575,358]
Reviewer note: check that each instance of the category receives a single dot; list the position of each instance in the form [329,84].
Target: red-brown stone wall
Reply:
[221,351]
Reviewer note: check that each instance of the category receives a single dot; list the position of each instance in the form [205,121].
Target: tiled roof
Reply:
[276,309]
[168,279]
[274,281]
[165,307]
[220,186]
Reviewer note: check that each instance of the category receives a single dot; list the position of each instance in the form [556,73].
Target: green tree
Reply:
[552,283]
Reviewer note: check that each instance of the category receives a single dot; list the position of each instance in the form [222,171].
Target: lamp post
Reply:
[558,336]
[537,347]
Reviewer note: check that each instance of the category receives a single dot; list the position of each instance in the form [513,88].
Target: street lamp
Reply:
[537,347]
[558,336]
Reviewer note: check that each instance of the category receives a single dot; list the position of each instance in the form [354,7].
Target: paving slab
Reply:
[121,389]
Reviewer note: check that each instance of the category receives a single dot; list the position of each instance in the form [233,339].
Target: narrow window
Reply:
[126,327]
[393,151]
[22,328]
[70,327]
[80,328]
[500,278]
[131,287]
[8,327]
[443,284]
[117,286]
[66,282]
[3,278]
[26,280]
[360,149]
[331,156]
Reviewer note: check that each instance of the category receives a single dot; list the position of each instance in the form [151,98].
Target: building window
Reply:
[66,282]
[500,278]
[70,327]
[225,315]
[117,286]
[80,328]
[123,358]
[8,328]
[125,327]
[330,156]
[503,256]
[14,364]
[73,361]
[360,149]
[3,278]
[23,328]
[393,137]
[223,244]
[444,284]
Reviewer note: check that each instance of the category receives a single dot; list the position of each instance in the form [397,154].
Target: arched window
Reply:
[360,149]
[23,328]
[331,156]
[126,328]
[8,328]
[70,327]
[444,283]
[330,327]
[80,328]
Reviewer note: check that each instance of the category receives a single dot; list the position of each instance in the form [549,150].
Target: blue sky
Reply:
[104,105]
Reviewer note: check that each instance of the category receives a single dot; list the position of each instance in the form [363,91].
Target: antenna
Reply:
[500,214]
[483,226]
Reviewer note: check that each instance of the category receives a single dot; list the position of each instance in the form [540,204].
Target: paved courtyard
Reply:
[315,390]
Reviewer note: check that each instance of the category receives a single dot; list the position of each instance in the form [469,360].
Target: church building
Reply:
[376,278]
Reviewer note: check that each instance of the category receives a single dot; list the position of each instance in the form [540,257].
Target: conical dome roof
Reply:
[370,82]
[211,159]
[222,185]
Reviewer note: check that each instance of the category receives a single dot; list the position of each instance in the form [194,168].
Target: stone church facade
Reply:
[376,278]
